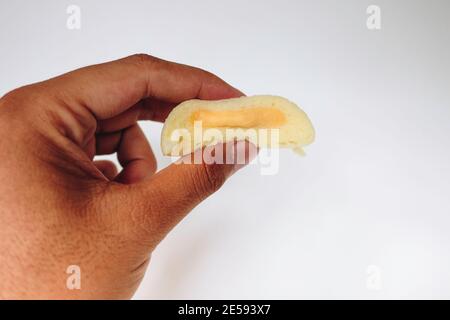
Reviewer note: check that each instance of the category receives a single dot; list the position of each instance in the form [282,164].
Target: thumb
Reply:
[165,199]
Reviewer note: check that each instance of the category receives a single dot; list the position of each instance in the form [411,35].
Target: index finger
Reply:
[110,88]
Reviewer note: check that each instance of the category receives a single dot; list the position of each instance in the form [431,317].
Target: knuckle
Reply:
[30,95]
[142,59]
[12,96]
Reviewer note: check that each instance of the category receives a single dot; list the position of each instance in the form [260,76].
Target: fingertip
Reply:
[238,92]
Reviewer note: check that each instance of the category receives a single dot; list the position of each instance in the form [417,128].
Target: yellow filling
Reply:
[257,117]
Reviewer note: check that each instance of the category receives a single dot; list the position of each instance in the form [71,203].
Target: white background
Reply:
[374,189]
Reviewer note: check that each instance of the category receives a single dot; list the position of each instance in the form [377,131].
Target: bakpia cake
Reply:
[266,121]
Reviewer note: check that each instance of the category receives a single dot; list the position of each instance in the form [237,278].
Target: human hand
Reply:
[58,207]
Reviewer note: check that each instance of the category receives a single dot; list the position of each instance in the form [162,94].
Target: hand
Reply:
[58,207]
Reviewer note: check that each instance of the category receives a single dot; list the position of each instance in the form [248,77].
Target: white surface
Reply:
[373,190]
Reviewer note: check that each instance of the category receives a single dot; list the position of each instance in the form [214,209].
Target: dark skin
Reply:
[58,207]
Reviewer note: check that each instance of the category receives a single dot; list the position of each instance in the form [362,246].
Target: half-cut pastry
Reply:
[266,121]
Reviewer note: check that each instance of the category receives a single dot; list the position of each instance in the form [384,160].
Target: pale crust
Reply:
[295,133]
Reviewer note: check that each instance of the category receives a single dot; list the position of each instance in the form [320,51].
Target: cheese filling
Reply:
[257,117]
